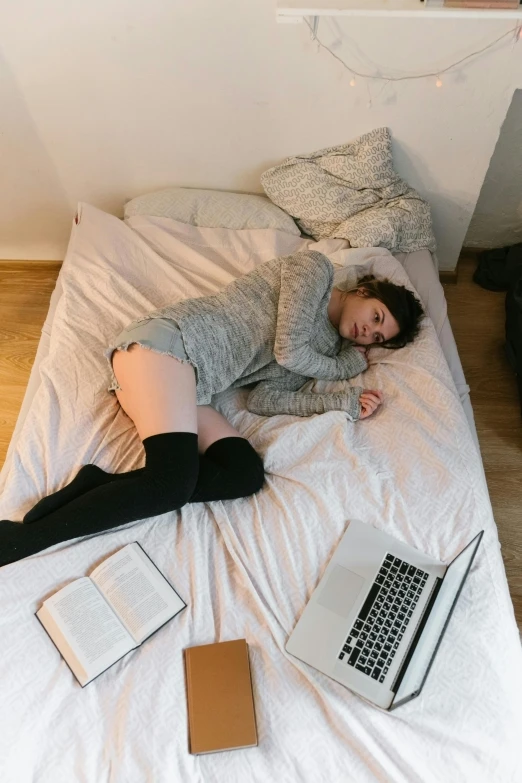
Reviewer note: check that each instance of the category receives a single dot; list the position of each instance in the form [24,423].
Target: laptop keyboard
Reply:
[375,635]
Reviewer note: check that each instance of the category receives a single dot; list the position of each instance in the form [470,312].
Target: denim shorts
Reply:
[161,335]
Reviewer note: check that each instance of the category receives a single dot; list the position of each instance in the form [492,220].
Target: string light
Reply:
[517,31]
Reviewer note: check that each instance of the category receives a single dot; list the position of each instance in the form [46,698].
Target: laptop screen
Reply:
[433,630]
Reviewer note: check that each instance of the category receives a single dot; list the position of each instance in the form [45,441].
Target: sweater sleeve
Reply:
[282,395]
[306,278]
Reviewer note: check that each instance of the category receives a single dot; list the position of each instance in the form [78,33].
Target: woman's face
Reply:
[366,321]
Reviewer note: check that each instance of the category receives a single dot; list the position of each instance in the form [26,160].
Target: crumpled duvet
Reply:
[352,192]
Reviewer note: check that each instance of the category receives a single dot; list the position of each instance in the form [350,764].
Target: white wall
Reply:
[102,101]
[497,220]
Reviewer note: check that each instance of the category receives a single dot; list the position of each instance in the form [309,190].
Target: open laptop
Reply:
[376,618]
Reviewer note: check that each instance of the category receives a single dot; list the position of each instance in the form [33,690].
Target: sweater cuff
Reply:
[353,408]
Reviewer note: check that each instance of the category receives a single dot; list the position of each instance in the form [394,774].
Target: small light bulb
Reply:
[438,83]
[352,82]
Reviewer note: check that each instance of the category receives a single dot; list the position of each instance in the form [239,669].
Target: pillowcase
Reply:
[212,209]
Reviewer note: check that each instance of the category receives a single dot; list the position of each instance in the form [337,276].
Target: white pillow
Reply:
[212,209]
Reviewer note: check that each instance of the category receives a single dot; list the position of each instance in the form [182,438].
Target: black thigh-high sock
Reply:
[230,468]
[166,483]
[87,478]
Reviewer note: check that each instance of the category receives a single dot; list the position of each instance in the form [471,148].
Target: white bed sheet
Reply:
[422,272]
[247,567]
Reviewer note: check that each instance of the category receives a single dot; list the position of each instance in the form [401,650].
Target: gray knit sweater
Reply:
[271,327]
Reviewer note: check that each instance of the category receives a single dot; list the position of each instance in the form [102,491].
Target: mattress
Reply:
[421,271]
[247,567]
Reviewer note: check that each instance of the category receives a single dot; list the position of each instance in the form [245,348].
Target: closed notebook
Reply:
[219,696]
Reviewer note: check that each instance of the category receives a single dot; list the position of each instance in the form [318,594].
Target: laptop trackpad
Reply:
[341,590]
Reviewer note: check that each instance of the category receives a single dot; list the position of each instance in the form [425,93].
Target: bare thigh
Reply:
[158,393]
[213,426]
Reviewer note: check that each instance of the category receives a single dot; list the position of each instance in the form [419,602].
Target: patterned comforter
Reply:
[352,192]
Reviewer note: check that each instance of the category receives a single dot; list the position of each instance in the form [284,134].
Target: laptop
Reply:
[376,618]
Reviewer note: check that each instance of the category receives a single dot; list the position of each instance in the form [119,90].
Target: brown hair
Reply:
[402,304]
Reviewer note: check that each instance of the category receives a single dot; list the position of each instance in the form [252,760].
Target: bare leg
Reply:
[162,404]
[157,392]
[159,396]
[152,384]
[213,426]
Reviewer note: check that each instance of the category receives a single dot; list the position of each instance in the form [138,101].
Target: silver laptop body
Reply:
[376,618]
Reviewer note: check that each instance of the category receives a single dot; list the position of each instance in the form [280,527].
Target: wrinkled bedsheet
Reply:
[247,567]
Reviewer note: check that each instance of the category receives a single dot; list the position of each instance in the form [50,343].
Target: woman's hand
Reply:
[369,400]
[362,350]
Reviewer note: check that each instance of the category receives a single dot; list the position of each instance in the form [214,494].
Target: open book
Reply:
[97,620]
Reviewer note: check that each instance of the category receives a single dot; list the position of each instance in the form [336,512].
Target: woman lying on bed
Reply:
[277,327]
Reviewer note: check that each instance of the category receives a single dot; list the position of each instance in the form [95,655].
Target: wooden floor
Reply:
[25,291]
[477,318]
[478,321]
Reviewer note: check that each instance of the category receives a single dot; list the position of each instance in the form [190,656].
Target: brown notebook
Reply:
[220,700]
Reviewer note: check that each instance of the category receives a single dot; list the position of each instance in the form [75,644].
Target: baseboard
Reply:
[473,251]
[19,263]
[449,276]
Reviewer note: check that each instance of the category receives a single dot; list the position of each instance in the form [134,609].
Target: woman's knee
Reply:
[239,457]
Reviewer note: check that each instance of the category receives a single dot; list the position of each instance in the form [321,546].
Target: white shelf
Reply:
[293,11]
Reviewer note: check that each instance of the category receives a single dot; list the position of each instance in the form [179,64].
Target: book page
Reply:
[85,629]
[137,591]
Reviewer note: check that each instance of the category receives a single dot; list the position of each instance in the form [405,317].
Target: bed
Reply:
[247,567]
